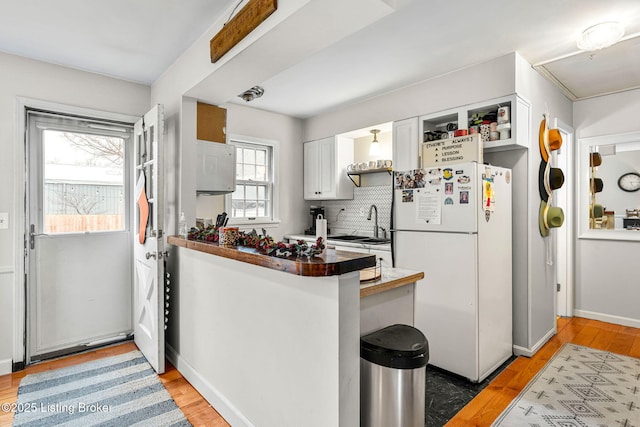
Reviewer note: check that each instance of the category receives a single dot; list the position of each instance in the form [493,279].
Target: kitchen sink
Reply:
[347,238]
[375,241]
[360,239]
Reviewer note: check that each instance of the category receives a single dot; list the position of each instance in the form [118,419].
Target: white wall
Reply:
[37,80]
[244,121]
[541,290]
[534,311]
[606,270]
[484,81]
[361,147]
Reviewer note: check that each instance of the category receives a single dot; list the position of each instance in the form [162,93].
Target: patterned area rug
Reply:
[579,386]
[117,391]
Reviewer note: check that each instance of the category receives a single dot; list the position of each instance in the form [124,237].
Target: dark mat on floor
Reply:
[446,393]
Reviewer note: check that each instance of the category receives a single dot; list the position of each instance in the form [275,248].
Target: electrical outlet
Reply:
[361,211]
[4,220]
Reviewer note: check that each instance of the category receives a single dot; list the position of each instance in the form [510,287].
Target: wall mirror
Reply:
[609,187]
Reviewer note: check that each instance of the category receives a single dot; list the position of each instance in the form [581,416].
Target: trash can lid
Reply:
[396,346]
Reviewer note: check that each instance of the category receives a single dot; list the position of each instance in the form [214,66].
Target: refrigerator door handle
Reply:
[430,231]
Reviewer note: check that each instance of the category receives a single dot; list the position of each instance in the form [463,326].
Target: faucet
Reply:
[375,225]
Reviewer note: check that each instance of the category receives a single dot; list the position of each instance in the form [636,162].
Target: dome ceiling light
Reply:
[600,36]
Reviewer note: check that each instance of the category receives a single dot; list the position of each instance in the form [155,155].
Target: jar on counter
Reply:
[228,237]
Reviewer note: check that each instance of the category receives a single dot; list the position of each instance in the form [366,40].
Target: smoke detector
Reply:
[251,94]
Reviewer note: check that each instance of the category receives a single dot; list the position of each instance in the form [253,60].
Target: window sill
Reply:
[264,223]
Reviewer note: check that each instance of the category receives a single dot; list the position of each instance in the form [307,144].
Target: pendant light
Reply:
[374,148]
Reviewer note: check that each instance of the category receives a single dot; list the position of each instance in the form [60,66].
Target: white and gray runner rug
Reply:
[116,391]
[579,386]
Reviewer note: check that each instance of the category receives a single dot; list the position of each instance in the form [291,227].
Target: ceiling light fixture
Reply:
[374,148]
[600,36]
[251,94]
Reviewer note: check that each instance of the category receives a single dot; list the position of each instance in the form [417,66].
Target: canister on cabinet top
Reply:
[503,115]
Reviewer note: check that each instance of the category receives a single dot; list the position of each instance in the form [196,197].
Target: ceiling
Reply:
[419,40]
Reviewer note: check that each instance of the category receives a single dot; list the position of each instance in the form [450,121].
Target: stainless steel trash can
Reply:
[393,364]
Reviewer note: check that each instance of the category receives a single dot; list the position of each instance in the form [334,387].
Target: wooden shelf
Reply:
[353,174]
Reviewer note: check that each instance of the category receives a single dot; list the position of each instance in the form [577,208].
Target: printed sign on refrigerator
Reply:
[461,149]
[429,206]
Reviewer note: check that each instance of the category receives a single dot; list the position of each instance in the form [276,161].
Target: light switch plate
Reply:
[4,220]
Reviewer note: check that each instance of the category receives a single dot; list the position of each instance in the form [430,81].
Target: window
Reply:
[78,169]
[254,198]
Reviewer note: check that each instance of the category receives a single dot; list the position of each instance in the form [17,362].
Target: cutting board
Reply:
[369,274]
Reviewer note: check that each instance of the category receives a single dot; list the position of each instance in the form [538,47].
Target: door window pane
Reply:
[83,182]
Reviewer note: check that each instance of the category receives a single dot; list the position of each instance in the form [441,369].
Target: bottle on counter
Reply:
[182,226]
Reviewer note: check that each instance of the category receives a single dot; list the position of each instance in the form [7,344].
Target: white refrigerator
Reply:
[454,223]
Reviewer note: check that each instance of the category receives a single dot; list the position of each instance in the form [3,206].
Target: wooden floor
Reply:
[481,411]
[490,403]
[192,404]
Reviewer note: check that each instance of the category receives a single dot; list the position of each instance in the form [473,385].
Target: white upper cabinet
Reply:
[325,169]
[406,143]
[514,133]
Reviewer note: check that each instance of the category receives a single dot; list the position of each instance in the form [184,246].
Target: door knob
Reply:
[33,235]
[150,255]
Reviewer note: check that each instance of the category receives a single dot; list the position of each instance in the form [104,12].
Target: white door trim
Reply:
[20,192]
[569,172]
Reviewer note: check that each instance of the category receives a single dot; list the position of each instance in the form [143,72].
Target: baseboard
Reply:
[609,318]
[220,403]
[5,366]
[528,352]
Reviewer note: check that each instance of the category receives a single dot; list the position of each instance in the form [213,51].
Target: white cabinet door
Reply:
[327,173]
[319,169]
[325,162]
[406,143]
[311,170]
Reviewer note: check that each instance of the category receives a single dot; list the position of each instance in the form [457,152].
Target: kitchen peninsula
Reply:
[271,341]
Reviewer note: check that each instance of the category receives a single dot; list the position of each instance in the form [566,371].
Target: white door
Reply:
[78,250]
[148,242]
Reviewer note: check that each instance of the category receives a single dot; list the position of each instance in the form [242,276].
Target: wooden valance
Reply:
[249,17]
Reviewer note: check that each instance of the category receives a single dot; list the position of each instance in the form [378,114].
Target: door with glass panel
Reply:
[78,249]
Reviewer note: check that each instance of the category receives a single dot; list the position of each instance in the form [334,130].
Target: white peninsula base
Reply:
[266,348]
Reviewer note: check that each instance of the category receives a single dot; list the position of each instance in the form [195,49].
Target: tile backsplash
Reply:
[353,219]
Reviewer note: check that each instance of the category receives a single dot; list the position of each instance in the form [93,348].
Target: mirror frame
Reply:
[583,176]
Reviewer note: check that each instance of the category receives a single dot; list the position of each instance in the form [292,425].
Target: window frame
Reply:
[272,218]
[38,121]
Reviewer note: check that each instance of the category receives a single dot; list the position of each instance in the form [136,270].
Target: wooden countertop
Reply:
[391,278]
[332,263]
